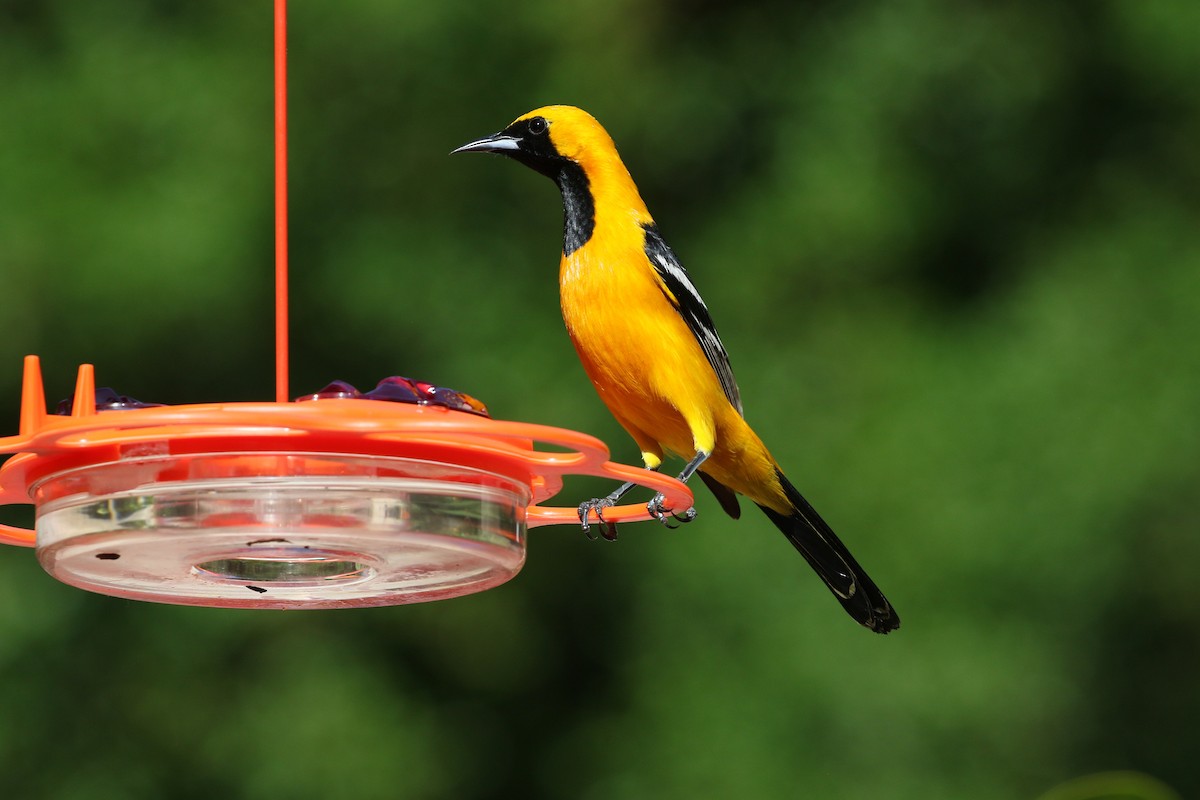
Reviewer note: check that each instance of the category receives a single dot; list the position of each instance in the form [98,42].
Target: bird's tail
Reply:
[826,554]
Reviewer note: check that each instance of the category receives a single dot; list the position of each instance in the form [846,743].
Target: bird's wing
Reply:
[682,294]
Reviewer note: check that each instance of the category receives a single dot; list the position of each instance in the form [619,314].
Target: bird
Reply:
[647,341]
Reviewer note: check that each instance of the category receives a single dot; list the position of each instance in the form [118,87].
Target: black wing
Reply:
[686,300]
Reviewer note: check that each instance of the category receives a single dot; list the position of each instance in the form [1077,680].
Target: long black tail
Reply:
[826,554]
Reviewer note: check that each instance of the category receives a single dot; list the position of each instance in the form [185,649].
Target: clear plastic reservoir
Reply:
[281,530]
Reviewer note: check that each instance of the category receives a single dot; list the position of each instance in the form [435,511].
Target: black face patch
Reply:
[537,152]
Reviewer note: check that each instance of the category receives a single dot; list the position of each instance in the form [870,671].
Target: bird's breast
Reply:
[638,351]
[611,305]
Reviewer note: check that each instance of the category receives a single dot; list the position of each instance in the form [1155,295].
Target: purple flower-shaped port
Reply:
[107,399]
[398,389]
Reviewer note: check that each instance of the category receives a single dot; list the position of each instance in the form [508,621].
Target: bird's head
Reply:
[571,148]
[549,138]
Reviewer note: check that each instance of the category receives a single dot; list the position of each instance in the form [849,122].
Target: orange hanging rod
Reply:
[281,205]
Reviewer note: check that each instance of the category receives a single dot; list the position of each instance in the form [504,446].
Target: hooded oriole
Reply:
[648,344]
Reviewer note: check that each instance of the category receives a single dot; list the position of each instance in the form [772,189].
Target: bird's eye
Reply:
[538,126]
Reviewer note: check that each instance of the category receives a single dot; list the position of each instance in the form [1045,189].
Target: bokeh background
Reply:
[952,249]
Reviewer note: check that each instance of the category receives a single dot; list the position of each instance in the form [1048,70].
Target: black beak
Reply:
[501,143]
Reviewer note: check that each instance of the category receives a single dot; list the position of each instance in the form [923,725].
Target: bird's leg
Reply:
[656,505]
[597,505]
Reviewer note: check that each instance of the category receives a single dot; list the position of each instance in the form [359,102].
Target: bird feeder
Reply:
[403,494]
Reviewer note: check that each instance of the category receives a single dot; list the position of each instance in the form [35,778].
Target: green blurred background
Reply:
[953,252]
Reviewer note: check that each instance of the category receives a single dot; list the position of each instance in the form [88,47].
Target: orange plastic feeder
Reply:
[335,500]
[320,503]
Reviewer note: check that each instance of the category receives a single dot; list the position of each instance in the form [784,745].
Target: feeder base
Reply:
[309,530]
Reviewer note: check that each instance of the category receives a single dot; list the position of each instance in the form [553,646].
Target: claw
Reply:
[658,509]
[685,517]
[608,530]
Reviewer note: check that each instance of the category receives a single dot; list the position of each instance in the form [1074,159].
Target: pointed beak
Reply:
[496,143]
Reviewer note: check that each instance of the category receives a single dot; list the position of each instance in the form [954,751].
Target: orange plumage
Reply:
[647,342]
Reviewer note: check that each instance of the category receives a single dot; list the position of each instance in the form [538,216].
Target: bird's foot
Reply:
[658,509]
[596,506]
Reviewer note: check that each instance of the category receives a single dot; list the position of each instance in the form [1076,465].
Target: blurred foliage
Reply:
[952,249]
[1112,786]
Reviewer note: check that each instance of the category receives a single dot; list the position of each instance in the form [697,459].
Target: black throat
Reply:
[579,208]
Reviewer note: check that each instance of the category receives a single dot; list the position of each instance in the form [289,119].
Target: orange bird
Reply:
[649,345]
